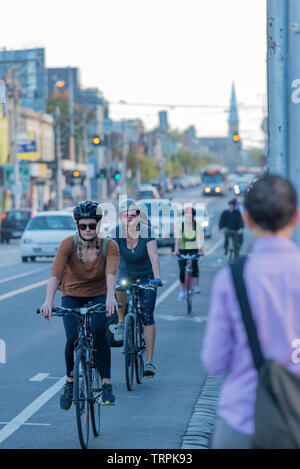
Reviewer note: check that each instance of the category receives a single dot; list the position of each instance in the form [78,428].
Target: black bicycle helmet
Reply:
[87,209]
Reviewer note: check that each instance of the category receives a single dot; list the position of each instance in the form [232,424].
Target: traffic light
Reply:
[102,174]
[76,174]
[236,137]
[96,140]
[117,175]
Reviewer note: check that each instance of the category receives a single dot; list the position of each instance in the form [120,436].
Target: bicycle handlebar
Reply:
[61,311]
[191,257]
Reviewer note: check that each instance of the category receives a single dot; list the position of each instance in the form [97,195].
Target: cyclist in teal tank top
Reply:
[189,240]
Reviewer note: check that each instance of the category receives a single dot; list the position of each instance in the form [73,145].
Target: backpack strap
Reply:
[75,240]
[104,244]
[237,275]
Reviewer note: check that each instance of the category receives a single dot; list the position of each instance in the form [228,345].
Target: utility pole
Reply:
[124,159]
[14,96]
[59,200]
[294,99]
[86,154]
[277,31]
[71,118]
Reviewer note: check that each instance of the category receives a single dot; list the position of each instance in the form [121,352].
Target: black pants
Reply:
[182,264]
[98,328]
[236,242]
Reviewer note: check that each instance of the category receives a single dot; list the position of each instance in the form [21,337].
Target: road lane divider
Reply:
[30,410]
[39,377]
[24,274]
[23,290]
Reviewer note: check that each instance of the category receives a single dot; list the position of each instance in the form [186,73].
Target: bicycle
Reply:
[233,246]
[134,347]
[188,278]
[87,385]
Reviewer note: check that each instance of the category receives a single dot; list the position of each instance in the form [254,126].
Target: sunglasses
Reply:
[132,215]
[83,226]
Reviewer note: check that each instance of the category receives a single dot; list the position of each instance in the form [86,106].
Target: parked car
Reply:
[44,233]
[207,223]
[13,223]
[147,191]
[159,215]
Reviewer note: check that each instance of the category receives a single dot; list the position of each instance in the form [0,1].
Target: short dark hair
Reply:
[271,201]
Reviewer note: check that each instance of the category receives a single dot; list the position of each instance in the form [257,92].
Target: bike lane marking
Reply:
[30,410]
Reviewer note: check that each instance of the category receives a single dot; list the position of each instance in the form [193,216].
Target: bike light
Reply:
[124,282]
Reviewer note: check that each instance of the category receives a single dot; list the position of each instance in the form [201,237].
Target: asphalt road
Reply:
[155,414]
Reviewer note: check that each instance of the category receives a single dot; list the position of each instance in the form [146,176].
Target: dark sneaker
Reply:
[107,397]
[66,399]
[149,370]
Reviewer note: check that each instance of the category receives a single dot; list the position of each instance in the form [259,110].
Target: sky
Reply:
[164,52]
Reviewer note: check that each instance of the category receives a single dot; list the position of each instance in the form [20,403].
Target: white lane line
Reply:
[24,274]
[166,293]
[172,317]
[39,377]
[34,424]
[214,247]
[22,290]
[30,410]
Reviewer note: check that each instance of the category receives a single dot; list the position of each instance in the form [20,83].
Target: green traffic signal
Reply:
[117,176]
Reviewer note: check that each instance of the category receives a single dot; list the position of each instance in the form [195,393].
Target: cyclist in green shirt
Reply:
[189,240]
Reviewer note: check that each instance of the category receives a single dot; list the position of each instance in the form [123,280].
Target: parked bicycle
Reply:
[134,347]
[87,382]
[188,278]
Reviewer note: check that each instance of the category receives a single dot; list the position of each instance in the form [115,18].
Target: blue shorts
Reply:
[147,297]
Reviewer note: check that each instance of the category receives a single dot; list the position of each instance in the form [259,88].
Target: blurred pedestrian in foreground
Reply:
[272,279]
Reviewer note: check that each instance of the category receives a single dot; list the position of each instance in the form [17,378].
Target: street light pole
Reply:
[86,154]
[294,99]
[124,159]
[15,94]
[277,31]
[71,117]
[58,161]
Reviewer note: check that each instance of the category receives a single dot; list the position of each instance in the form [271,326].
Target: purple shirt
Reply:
[272,278]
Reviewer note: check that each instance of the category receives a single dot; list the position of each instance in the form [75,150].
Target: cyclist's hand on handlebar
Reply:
[111,305]
[200,252]
[156,282]
[176,253]
[46,310]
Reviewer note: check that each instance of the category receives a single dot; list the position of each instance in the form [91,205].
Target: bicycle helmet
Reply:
[87,209]
[128,204]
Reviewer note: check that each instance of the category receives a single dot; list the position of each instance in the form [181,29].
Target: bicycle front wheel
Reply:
[95,405]
[81,396]
[140,357]
[129,351]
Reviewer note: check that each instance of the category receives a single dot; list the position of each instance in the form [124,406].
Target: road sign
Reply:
[27,150]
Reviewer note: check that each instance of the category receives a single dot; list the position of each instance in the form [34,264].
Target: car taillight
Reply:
[32,215]
[4,215]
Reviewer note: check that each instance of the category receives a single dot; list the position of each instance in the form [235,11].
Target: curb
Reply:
[204,415]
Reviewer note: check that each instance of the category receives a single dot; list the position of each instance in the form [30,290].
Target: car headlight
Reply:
[204,224]
[207,189]
[218,190]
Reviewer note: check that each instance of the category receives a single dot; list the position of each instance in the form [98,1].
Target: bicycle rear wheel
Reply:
[95,405]
[140,358]
[189,291]
[81,396]
[129,351]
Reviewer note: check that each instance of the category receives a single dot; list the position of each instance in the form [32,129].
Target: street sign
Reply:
[9,175]
[27,150]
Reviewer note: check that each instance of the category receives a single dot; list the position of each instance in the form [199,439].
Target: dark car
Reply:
[13,224]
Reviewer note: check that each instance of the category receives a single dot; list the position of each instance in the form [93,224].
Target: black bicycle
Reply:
[134,347]
[87,384]
[233,248]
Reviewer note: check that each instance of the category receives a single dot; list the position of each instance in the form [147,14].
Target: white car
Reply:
[44,233]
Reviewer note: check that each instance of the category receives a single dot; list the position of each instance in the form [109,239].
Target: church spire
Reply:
[233,115]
